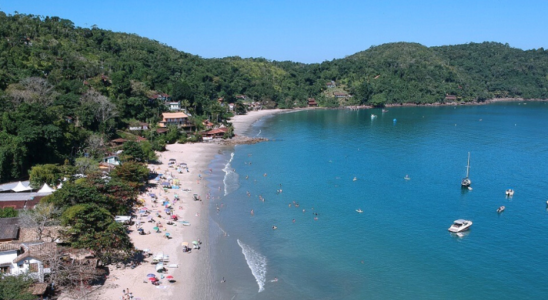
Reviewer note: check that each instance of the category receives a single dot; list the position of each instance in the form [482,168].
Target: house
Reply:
[118,142]
[450,97]
[243,97]
[340,95]
[138,127]
[9,229]
[162,130]
[312,102]
[112,160]
[220,100]
[173,106]
[19,200]
[214,134]
[207,124]
[29,258]
[231,106]
[179,119]
[331,84]
[160,96]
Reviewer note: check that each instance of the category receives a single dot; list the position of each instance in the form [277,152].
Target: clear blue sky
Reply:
[304,30]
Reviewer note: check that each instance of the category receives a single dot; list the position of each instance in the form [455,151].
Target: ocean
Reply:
[320,166]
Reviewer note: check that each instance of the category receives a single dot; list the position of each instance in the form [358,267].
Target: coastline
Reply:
[192,279]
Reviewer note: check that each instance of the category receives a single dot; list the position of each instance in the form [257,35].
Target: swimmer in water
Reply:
[274,227]
[252,213]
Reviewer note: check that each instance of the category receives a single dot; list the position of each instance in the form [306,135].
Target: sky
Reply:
[307,31]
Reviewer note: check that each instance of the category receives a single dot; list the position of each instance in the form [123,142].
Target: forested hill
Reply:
[52,71]
[114,63]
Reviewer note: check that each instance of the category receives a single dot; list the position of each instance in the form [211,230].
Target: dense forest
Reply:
[52,72]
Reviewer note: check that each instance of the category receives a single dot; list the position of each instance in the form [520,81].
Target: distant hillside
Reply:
[65,90]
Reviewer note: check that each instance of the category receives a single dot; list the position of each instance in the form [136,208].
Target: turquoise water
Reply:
[399,247]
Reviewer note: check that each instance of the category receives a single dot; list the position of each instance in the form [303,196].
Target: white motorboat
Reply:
[466,182]
[359,210]
[509,192]
[460,225]
[501,209]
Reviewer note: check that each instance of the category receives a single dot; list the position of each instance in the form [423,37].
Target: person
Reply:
[252,213]
[275,279]
[293,220]
[274,227]
[223,281]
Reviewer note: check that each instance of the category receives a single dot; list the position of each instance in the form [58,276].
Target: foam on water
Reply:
[259,133]
[256,262]
[230,181]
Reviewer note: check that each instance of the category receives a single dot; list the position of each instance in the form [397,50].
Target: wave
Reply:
[230,181]
[259,133]
[256,262]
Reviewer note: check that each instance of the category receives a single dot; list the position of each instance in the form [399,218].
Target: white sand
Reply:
[190,278]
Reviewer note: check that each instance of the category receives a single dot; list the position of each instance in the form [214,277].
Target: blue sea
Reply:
[329,163]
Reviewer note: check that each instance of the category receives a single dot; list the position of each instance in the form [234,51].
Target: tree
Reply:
[133,152]
[131,172]
[15,287]
[104,109]
[8,212]
[41,216]
[93,227]
[378,100]
[33,90]
[48,173]
[85,165]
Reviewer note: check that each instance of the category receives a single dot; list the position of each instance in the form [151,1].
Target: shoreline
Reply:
[192,279]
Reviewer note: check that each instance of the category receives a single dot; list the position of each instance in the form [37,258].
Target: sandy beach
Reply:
[190,278]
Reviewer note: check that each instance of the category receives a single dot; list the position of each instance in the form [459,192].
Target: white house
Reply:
[113,160]
[16,259]
[173,106]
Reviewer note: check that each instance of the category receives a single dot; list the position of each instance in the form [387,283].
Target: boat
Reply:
[359,210]
[385,110]
[373,116]
[501,209]
[466,182]
[407,177]
[355,178]
[460,225]
[509,192]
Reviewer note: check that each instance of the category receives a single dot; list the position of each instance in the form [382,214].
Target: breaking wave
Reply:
[230,181]
[256,262]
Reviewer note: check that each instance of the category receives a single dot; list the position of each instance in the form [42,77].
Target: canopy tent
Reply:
[21,188]
[46,189]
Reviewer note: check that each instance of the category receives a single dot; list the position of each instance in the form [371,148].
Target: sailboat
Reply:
[466,182]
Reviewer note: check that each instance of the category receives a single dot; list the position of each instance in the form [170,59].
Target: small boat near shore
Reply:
[509,192]
[501,209]
[460,225]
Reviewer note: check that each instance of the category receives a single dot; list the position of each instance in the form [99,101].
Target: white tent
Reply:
[45,189]
[21,188]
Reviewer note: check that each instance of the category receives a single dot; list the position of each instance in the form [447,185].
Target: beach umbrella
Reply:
[167,234]
[153,279]
[151,275]
[195,242]
[167,210]
[156,228]
[165,183]
[145,208]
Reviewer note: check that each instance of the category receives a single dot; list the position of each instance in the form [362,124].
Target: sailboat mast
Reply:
[468,166]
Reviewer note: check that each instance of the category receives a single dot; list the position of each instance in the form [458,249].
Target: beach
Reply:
[190,278]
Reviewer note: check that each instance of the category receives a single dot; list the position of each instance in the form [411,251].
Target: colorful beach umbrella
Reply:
[151,275]
[156,228]
[153,279]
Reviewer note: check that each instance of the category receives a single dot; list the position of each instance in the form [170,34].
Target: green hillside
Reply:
[52,71]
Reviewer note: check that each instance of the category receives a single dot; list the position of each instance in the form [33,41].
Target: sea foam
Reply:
[256,262]
[230,181]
